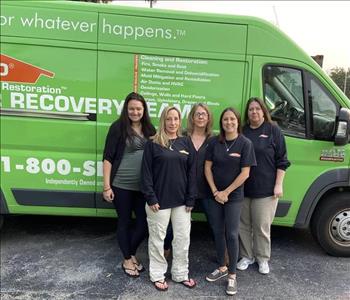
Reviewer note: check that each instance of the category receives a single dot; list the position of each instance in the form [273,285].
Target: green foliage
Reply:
[338,75]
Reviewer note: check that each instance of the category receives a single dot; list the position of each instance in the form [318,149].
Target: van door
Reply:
[306,111]
[48,127]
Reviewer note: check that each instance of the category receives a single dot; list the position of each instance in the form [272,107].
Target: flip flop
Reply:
[128,274]
[187,283]
[139,267]
[164,283]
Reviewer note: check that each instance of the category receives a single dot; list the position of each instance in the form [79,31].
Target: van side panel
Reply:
[325,182]
[48,132]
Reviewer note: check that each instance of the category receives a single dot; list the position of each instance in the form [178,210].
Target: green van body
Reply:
[66,68]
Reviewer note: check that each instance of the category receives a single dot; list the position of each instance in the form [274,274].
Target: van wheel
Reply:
[331,224]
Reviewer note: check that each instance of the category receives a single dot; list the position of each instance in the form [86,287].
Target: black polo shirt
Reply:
[168,177]
[271,154]
[227,165]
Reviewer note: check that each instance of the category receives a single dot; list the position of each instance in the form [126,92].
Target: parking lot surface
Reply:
[79,258]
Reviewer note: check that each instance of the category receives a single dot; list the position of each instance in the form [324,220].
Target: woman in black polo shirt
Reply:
[264,186]
[168,183]
[228,161]
[122,159]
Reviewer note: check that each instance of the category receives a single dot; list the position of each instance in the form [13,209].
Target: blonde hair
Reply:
[190,119]
[161,136]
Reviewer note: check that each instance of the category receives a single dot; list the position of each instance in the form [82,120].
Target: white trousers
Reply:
[157,226]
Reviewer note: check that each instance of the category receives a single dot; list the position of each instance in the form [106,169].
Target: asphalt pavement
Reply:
[79,258]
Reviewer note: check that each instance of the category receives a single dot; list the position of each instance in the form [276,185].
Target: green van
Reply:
[66,67]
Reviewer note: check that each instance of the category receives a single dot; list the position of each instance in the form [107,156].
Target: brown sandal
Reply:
[164,283]
[189,283]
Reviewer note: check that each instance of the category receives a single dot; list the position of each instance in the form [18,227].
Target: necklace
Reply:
[229,147]
[171,143]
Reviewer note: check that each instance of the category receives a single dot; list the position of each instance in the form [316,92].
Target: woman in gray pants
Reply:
[263,187]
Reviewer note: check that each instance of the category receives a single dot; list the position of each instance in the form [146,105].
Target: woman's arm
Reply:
[239,180]
[281,160]
[209,176]
[147,184]
[109,153]
[191,189]
[278,189]
[108,194]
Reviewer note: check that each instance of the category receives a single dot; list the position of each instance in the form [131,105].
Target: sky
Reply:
[319,27]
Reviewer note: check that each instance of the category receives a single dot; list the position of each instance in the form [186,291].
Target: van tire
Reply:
[330,224]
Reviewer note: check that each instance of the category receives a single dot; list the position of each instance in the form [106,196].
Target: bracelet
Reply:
[106,190]
[215,192]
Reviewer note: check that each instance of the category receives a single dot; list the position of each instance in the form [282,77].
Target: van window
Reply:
[284,97]
[324,111]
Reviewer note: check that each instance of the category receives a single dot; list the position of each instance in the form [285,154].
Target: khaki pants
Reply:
[157,226]
[255,226]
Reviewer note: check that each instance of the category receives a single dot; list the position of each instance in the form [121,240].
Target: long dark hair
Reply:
[238,117]
[125,123]
[267,116]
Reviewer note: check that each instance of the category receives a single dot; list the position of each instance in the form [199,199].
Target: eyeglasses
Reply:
[200,114]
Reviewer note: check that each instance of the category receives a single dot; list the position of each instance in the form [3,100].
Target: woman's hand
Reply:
[189,208]
[221,197]
[108,195]
[278,191]
[154,207]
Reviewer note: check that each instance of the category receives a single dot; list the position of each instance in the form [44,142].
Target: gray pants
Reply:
[157,226]
[255,226]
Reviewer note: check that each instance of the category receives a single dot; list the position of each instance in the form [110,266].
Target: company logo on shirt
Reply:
[14,70]
[234,154]
[184,152]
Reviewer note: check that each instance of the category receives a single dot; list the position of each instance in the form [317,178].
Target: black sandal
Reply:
[126,271]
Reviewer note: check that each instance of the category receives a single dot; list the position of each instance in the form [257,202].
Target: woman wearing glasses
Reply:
[199,131]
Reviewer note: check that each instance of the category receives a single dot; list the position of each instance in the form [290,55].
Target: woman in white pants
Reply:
[168,183]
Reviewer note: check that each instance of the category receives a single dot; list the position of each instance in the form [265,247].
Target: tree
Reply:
[151,2]
[341,77]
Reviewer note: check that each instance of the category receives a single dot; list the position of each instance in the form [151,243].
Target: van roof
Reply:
[262,38]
